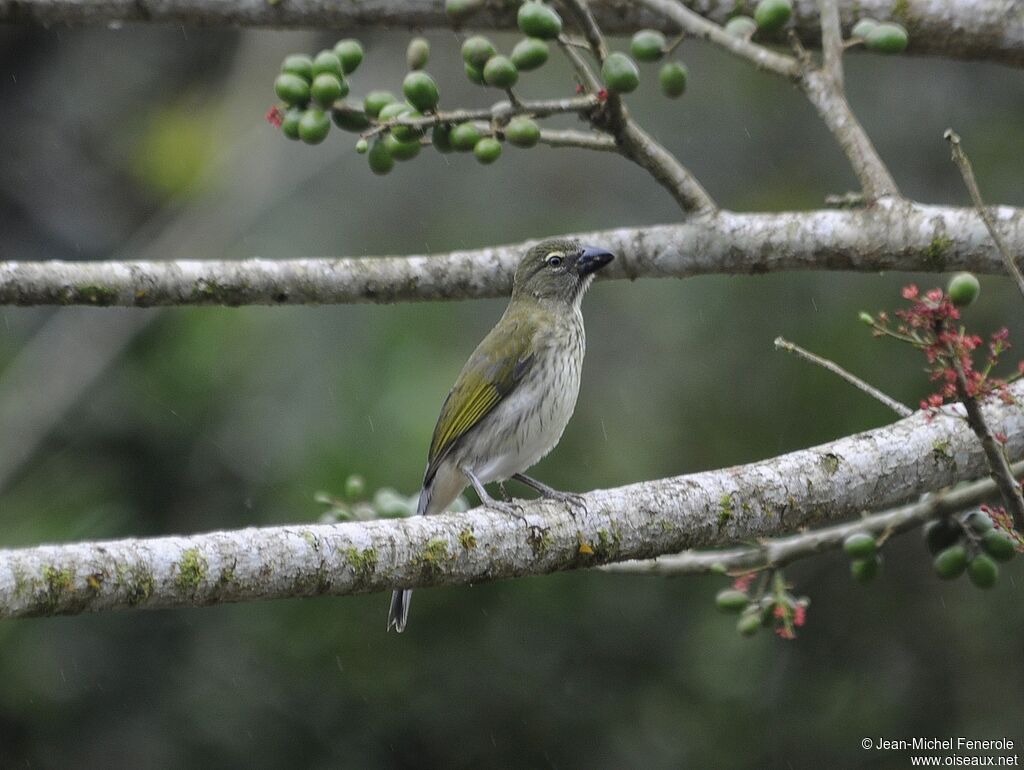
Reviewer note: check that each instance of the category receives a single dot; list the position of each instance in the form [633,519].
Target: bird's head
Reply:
[558,269]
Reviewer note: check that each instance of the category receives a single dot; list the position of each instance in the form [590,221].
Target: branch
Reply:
[830,482]
[694,24]
[632,141]
[579,139]
[831,41]
[888,236]
[830,102]
[857,382]
[999,466]
[964,164]
[780,552]
[967,29]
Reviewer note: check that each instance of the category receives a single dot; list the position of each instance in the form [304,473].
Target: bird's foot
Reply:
[574,502]
[508,507]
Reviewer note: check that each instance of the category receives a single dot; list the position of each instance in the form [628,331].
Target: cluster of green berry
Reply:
[771,15]
[970,544]
[320,80]
[771,606]
[647,45]
[485,66]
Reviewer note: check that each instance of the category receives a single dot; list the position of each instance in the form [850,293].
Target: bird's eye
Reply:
[554,259]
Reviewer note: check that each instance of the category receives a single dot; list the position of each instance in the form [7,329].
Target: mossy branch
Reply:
[889,236]
[837,481]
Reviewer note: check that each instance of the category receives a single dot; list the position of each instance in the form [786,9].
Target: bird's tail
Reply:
[398,614]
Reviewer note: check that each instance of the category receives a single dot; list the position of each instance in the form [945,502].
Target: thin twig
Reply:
[964,164]
[583,69]
[776,553]
[857,382]
[998,465]
[697,26]
[500,111]
[580,139]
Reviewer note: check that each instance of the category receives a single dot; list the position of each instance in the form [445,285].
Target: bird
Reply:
[516,393]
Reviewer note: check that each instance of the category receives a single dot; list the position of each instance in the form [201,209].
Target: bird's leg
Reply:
[511,509]
[571,499]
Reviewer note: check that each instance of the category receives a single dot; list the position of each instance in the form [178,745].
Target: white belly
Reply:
[529,423]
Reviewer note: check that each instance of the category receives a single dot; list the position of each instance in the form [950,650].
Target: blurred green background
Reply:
[146,142]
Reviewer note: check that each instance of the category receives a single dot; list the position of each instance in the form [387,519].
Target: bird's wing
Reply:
[494,370]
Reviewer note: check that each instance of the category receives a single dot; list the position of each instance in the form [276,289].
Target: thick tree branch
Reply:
[830,482]
[782,551]
[892,235]
[966,29]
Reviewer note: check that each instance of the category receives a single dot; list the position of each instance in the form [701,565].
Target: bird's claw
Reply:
[573,502]
[509,508]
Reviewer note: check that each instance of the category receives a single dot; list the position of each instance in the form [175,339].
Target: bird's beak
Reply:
[592,259]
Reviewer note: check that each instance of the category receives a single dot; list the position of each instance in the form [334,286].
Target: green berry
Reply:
[522,132]
[865,318]
[865,570]
[951,562]
[401,150]
[327,61]
[862,28]
[860,546]
[441,138]
[460,9]
[290,123]
[672,79]
[887,38]
[539,20]
[998,545]
[963,289]
[475,75]
[420,90]
[291,88]
[393,110]
[477,50]
[771,15]
[487,150]
[529,54]
[731,600]
[464,137]
[375,101]
[313,126]
[417,54]
[941,533]
[379,158]
[648,45]
[351,117]
[298,64]
[742,27]
[983,571]
[620,73]
[355,485]
[979,521]
[500,72]
[361,147]
[350,53]
[327,89]
[749,622]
